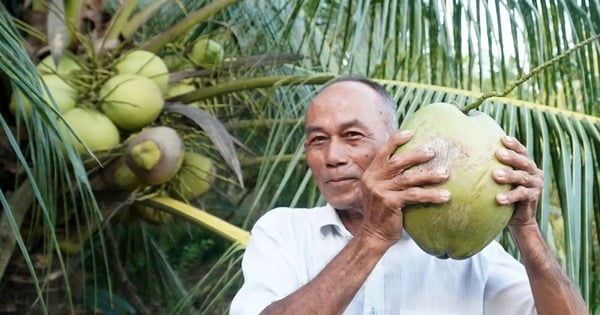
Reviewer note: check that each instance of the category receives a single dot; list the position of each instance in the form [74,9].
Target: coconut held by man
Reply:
[466,145]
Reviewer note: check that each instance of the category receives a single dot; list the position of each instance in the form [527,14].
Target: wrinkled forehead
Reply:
[346,101]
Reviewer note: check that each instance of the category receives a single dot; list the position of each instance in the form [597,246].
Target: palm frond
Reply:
[483,46]
[563,144]
[422,51]
[53,170]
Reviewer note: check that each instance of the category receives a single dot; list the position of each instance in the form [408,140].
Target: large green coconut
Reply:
[92,127]
[62,93]
[146,64]
[466,145]
[194,178]
[207,53]
[65,66]
[131,101]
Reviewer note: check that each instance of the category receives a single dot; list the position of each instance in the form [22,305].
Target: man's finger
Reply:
[517,178]
[417,195]
[514,144]
[516,160]
[413,178]
[396,140]
[518,194]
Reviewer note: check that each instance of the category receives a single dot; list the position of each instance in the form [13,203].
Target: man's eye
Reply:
[353,135]
[317,140]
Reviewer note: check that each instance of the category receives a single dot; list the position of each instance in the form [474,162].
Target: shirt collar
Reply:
[329,222]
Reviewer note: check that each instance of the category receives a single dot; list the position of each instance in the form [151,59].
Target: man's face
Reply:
[346,124]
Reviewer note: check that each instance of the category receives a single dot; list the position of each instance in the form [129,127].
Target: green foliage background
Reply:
[422,51]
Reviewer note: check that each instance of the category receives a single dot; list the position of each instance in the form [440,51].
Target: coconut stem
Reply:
[247,84]
[120,19]
[528,76]
[240,124]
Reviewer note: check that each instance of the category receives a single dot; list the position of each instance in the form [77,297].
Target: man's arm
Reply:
[386,187]
[334,287]
[553,291]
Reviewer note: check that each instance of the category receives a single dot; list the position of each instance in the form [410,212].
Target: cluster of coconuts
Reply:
[127,103]
[129,100]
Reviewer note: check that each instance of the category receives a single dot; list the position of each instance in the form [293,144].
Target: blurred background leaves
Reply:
[275,55]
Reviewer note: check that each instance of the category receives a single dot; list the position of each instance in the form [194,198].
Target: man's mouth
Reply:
[336,180]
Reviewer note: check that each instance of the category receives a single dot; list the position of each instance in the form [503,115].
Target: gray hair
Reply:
[378,88]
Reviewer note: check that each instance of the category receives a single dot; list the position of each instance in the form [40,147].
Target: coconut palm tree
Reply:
[423,52]
[428,51]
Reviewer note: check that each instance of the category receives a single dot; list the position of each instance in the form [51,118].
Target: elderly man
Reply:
[352,256]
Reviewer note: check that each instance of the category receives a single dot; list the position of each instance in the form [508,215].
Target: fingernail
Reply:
[502,198]
[500,174]
[406,133]
[441,171]
[445,195]
[509,138]
[503,153]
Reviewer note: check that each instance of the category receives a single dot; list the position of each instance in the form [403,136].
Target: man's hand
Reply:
[553,291]
[525,177]
[389,184]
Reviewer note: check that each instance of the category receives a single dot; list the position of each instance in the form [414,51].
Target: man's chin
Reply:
[344,204]
[346,199]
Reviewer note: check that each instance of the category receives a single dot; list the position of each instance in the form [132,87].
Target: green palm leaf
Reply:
[423,52]
[563,144]
[58,173]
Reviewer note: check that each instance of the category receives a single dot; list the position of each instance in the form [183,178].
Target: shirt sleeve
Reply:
[268,267]
[507,289]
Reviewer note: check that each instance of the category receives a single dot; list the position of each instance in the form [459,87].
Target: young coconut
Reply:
[195,177]
[181,88]
[131,101]
[65,66]
[146,64]
[93,128]
[155,154]
[62,93]
[118,176]
[465,145]
[207,53]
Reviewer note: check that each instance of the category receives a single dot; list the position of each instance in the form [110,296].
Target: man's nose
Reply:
[335,154]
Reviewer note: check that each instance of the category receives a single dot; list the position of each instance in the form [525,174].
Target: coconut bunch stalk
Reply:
[148,213]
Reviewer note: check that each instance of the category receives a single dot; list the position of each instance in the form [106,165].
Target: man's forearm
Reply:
[553,291]
[335,286]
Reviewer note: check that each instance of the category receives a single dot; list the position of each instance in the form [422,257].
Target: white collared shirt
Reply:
[289,247]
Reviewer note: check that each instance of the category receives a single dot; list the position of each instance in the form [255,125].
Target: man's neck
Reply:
[352,219]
